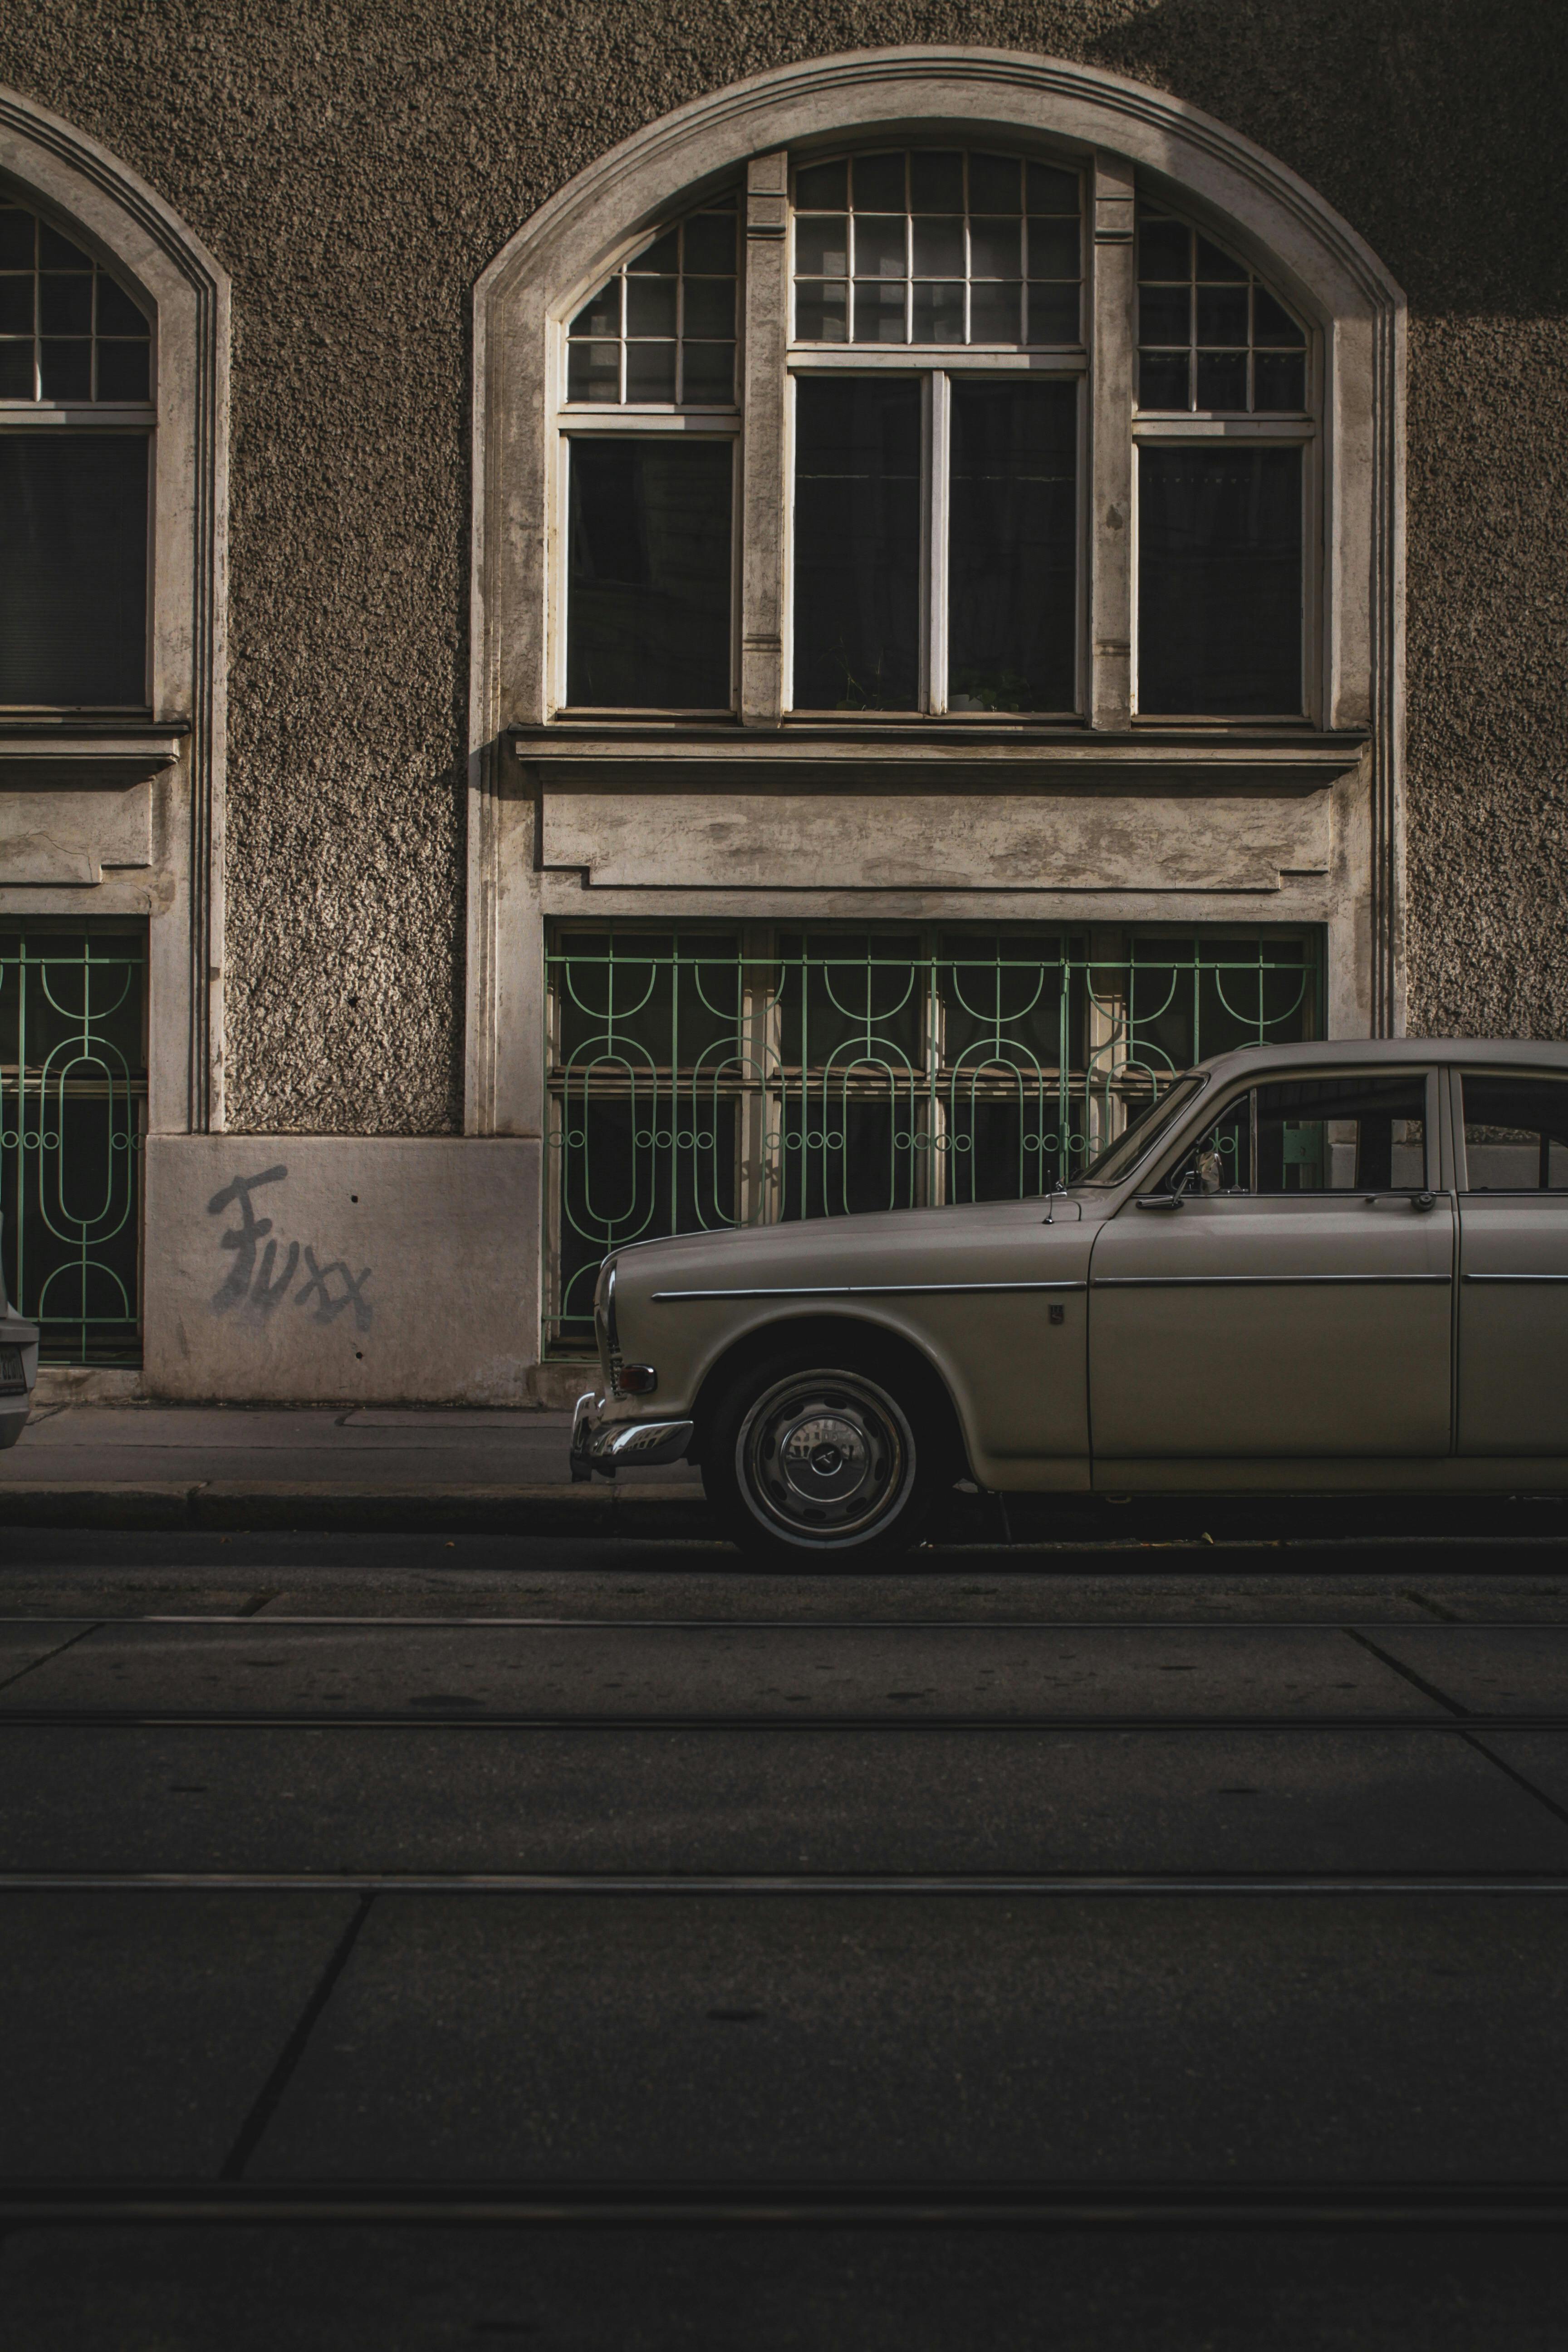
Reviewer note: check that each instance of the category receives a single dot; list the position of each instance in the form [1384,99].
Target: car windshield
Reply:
[1143,1131]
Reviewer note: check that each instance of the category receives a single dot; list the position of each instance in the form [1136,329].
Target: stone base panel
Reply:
[292,1269]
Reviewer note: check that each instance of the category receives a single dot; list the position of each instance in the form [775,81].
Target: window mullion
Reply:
[939,432]
[765,494]
[1113,348]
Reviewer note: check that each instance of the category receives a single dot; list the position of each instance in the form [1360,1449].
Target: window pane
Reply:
[857,544]
[1515,1133]
[939,314]
[878,183]
[821,312]
[647,617]
[708,374]
[1219,584]
[1012,552]
[822,245]
[996,312]
[879,311]
[936,182]
[1162,378]
[995,249]
[650,372]
[73,568]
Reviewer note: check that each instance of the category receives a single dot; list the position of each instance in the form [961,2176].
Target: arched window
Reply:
[938,386]
[76,422]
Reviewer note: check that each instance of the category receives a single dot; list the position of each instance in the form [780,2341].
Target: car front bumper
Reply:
[605,1446]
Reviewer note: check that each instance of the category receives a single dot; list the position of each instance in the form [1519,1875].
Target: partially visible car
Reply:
[18,1370]
[1331,1268]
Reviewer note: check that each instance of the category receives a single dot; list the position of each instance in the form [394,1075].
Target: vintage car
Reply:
[1333,1267]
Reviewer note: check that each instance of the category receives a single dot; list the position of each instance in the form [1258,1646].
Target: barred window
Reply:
[707,1077]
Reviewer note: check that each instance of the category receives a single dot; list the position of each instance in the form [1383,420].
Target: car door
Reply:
[1513,1261]
[1287,1289]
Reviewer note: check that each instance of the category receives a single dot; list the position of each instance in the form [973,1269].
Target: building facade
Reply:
[601,634]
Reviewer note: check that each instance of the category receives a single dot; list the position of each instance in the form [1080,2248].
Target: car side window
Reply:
[1516,1132]
[1354,1134]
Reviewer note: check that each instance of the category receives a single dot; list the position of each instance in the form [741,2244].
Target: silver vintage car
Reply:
[1328,1268]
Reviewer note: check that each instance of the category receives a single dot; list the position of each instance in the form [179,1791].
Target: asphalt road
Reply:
[413,1943]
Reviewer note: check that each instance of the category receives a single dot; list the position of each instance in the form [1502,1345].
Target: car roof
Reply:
[1337,1053]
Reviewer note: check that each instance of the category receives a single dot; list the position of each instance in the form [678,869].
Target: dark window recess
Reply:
[647,612]
[1220,581]
[857,544]
[1013,549]
[73,569]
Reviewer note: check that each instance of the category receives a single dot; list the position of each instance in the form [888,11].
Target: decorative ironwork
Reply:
[699,1079]
[73,1114]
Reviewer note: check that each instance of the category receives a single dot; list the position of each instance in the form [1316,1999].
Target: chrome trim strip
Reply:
[1514,1277]
[1253,1281]
[862,1290]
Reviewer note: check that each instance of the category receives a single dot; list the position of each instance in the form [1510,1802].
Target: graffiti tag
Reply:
[258,1286]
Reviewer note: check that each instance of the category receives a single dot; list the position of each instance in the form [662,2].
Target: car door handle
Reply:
[1419,1202]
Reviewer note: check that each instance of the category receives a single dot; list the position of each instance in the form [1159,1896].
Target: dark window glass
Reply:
[1515,1133]
[1013,552]
[1219,580]
[857,544]
[73,568]
[1314,1135]
[647,615]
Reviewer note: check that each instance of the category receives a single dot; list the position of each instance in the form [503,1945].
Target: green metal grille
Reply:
[699,1079]
[73,1113]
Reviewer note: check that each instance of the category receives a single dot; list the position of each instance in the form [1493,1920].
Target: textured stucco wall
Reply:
[356,164]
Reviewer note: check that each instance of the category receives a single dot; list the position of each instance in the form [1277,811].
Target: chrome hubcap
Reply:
[825,1457]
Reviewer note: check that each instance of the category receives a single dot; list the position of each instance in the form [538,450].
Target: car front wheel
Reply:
[809,1460]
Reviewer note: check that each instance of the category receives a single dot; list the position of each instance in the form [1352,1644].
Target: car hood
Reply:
[882,1245]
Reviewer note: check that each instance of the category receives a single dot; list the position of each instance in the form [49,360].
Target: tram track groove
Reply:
[1524,2205]
[812,1884]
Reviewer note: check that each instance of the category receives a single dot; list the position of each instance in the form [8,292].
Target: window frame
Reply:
[123,417]
[1110,427]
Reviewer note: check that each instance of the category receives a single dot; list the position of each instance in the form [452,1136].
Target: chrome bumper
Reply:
[607,1445]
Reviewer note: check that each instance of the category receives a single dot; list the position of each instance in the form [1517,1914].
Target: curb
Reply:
[239,1507]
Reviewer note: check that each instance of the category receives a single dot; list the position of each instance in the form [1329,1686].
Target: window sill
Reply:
[918,755]
[83,749]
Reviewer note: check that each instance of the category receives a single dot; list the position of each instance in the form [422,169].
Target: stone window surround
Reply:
[1121,131]
[177,752]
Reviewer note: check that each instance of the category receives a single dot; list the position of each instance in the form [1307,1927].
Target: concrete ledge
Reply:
[243,1507]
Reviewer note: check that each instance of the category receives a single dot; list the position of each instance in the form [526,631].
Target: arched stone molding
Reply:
[1118,127]
[102,203]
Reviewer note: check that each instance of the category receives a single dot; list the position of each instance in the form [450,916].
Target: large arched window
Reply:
[936,394]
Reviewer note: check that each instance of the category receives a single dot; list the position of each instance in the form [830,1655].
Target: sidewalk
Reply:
[365,1467]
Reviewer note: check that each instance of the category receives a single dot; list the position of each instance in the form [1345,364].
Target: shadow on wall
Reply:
[1437,127]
